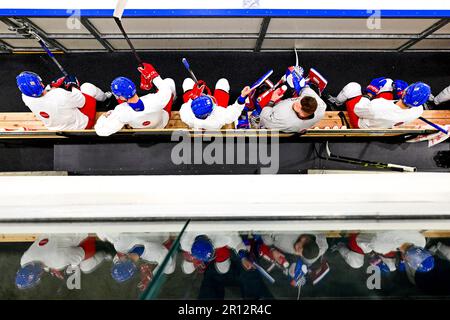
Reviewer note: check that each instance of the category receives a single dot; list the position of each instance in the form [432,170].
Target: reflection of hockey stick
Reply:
[365,163]
[263,272]
[118,12]
[188,68]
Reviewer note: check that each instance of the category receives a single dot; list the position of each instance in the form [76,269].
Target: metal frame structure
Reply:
[260,37]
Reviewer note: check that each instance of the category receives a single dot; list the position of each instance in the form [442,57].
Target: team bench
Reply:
[19,125]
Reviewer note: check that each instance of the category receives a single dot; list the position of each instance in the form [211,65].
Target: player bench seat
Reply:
[25,124]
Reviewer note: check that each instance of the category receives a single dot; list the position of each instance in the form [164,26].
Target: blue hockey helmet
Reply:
[416,94]
[123,87]
[398,87]
[123,270]
[30,84]
[419,259]
[202,249]
[202,106]
[29,275]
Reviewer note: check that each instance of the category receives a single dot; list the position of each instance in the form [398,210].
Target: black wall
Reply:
[240,68]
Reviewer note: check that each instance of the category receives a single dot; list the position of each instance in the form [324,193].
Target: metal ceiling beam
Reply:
[93,30]
[427,32]
[5,47]
[231,36]
[42,34]
[262,34]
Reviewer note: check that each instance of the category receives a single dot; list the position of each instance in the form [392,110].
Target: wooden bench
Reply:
[26,125]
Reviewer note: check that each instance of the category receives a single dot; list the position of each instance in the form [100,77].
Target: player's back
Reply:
[55,252]
[151,117]
[58,109]
[382,113]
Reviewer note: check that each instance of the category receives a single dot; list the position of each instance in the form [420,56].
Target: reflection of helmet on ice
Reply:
[29,275]
[30,84]
[416,94]
[123,270]
[297,273]
[202,249]
[202,106]
[123,87]
[419,259]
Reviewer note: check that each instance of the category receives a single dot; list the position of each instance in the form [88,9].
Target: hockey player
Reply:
[149,250]
[151,111]
[366,111]
[293,114]
[200,249]
[290,85]
[207,111]
[442,100]
[309,246]
[383,246]
[62,105]
[54,253]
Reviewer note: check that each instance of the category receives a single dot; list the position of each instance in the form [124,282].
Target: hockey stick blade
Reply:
[120,8]
[261,80]
[188,68]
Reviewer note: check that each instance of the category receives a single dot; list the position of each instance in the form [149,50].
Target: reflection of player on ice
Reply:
[147,251]
[383,248]
[200,250]
[300,255]
[54,253]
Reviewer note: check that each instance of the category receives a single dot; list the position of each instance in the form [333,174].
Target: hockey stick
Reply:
[365,163]
[263,272]
[261,80]
[437,127]
[118,12]
[26,31]
[344,119]
[188,68]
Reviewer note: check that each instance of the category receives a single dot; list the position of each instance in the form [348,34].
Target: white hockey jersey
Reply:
[384,242]
[282,117]
[154,250]
[382,113]
[285,243]
[58,109]
[215,121]
[56,251]
[218,240]
[152,117]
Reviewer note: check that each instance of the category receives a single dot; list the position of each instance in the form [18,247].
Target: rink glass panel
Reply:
[341,281]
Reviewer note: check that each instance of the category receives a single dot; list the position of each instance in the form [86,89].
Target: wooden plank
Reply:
[18,237]
[331,120]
